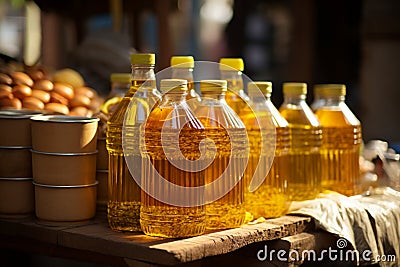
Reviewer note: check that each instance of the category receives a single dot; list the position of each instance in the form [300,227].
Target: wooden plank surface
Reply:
[249,255]
[28,228]
[98,238]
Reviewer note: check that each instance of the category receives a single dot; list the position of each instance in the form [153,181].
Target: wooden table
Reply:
[95,242]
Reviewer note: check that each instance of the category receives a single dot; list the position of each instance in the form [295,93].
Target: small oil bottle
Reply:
[123,192]
[120,85]
[341,141]
[264,122]
[171,126]
[304,160]
[182,68]
[227,131]
[231,71]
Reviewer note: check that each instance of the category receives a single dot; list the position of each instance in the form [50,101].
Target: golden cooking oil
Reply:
[231,70]
[223,126]
[341,140]
[265,126]
[171,126]
[182,68]
[304,160]
[123,191]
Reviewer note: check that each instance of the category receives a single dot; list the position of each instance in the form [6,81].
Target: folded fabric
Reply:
[369,222]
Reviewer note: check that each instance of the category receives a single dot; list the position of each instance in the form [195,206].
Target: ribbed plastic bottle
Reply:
[123,192]
[319,100]
[182,68]
[263,121]
[171,126]
[341,142]
[231,71]
[227,131]
[304,160]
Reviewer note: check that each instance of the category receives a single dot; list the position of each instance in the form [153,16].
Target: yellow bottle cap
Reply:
[149,59]
[331,89]
[231,63]
[121,78]
[318,89]
[173,85]
[217,86]
[182,62]
[264,87]
[295,88]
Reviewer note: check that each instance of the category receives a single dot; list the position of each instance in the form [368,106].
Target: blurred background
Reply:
[352,42]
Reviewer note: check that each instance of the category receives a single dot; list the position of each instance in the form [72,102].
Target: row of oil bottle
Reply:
[314,150]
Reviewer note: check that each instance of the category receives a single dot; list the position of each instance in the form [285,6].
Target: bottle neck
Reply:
[294,99]
[143,78]
[231,75]
[220,96]
[182,73]
[143,72]
[176,97]
[317,97]
[234,78]
[119,89]
[258,98]
[334,100]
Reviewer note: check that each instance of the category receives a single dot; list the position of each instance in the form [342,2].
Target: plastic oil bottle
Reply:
[304,160]
[120,85]
[231,71]
[227,131]
[182,68]
[263,121]
[123,192]
[182,132]
[341,141]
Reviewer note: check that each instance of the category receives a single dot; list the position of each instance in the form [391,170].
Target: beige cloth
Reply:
[369,222]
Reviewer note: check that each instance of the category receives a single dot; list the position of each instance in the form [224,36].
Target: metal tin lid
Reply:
[15,147]
[65,186]
[18,114]
[63,118]
[64,154]
[17,179]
